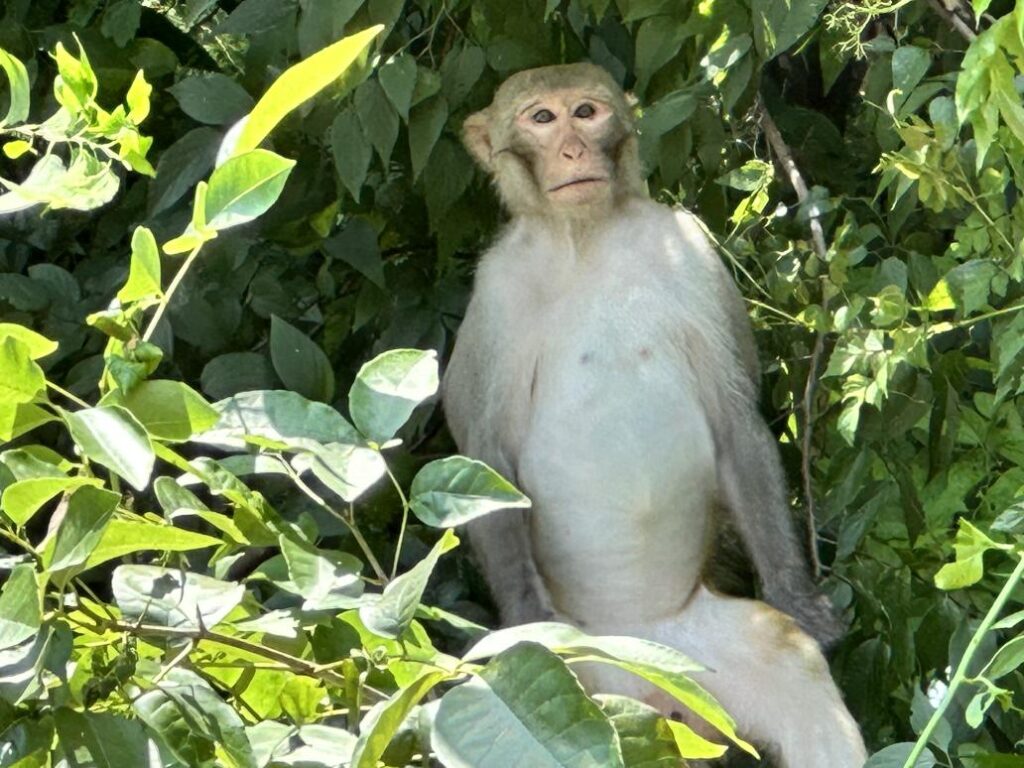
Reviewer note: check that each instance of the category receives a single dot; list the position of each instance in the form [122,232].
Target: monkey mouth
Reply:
[574,182]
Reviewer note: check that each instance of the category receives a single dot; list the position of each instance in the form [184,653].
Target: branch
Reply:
[796,180]
[954,19]
[294,663]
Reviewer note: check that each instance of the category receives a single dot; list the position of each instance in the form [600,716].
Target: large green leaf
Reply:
[20,607]
[388,388]
[348,470]
[172,597]
[22,499]
[299,362]
[190,717]
[212,97]
[21,378]
[778,24]
[378,729]
[123,537]
[168,410]
[453,491]
[89,510]
[645,736]
[325,579]
[393,613]
[110,435]
[298,84]
[144,272]
[277,419]
[38,346]
[245,187]
[525,708]
[659,664]
[18,99]
[101,740]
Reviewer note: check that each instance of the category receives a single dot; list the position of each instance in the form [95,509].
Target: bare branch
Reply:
[954,19]
[785,159]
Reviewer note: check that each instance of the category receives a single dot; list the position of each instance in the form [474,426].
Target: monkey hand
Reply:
[815,615]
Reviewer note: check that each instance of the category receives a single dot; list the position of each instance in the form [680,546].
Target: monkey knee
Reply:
[786,643]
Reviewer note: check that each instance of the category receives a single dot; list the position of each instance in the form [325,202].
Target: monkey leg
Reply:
[767,673]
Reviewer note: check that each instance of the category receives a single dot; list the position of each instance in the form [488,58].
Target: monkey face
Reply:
[568,134]
[558,141]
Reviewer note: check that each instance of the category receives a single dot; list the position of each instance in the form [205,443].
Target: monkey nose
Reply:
[573,149]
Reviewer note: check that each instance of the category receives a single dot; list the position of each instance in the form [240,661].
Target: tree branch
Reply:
[954,20]
[796,180]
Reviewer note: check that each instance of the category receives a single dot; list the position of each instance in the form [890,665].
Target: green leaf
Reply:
[121,21]
[89,511]
[168,410]
[388,388]
[909,65]
[245,187]
[183,164]
[375,736]
[171,597]
[17,79]
[325,579]
[137,98]
[212,98]
[277,419]
[896,756]
[185,712]
[394,612]
[778,24]
[235,372]
[970,545]
[299,362]
[21,607]
[38,346]
[110,435]
[347,469]
[536,713]
[398,79]
[76,86]
[21,379]
[662,665]
[657,41]
[18,418]
[357,246]
[22,499]
[101,739]
[15,149]
[379,119]
[645,736]
[352,152]
[123,537]
[144,272]
[426,121]
[453,491]
[460,72]
[299,83]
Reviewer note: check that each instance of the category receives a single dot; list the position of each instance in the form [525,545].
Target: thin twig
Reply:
[294,663]
[954,20]
[796,180]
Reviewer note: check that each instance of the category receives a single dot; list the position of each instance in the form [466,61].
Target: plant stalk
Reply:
[961,670]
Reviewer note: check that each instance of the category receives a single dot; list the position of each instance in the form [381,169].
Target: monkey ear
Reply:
[476,135]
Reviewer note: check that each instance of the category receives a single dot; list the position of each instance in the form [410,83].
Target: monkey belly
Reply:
[619,462]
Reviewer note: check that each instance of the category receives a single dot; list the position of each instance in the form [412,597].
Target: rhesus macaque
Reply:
[606,365]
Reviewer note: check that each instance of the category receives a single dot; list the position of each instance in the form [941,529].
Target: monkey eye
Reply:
[543,116]
[584,111]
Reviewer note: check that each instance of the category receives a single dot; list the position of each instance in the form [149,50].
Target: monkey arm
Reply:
[501,541]
[753,489]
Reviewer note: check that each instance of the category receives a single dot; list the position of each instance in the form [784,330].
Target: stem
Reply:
[965,662]
[987,316]
[796,180]
[294,663]
[348,520]
[166,298]
[405,521]
[72,397]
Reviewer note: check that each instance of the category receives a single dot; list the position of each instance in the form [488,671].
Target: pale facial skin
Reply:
[566,130]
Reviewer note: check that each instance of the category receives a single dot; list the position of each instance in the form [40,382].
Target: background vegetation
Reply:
[859,163]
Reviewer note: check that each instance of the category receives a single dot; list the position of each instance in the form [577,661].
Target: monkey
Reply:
[606,365]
